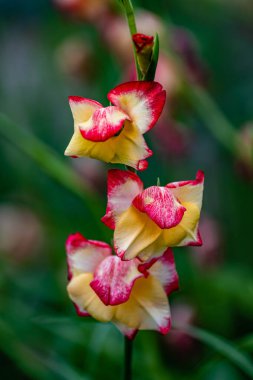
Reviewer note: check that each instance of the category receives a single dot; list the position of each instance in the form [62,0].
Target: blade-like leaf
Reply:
[51,164]
[221,346]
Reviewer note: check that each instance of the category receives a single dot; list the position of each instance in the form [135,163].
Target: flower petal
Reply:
[142,237]
[122,188]
[164,270]
[129,332]
[142,101]
[114,280]
[189,191]
[147,307]
[160,205]
[80,147]
[129,148]
[103,124]
[85,298]
[186,232]
[82,108]
[135,235]
[84,255]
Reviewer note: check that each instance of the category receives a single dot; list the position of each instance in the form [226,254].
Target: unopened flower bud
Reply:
[144,48]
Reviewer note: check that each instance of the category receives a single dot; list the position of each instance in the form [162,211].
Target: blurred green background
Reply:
[49,51]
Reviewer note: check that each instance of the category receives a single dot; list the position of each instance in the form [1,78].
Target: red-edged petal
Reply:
[189,191]
[160,205]
[164,269]
[84,255]
[82,108]
[129,332]
[80,311]
[114,279]
[142,101]
[103,124]
[147,307]
[198,242]
[122,188]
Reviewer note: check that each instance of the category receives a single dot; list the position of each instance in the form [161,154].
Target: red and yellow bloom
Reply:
[115,133]
[146,222]
[130,294]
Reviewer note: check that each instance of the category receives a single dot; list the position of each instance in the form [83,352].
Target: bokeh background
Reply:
[50,50]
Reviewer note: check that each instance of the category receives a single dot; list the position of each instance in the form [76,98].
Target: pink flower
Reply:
[146,222]
[87,10]
[131,295]
[114,134]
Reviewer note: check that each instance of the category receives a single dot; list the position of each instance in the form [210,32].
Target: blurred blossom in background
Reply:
[53,49]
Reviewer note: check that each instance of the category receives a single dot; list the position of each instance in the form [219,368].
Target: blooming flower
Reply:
[130,294]
[114,134]
[148,221]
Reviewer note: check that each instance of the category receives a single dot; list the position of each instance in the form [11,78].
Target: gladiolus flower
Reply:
[114,134]
[131,295]
[148,221]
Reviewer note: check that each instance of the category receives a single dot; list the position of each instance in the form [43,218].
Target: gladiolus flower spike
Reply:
[115,133]
[130,294]
[147,222]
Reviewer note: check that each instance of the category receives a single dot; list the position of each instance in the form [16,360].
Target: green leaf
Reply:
[53,165]
[246,343]
[32,362]
[223,347]
[150,74]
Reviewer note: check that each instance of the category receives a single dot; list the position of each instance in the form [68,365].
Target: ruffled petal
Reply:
[137,235]
[143,238]
[85,298]
[131,148]
[164,270]
[189,191]
[114,280]
[147,307]
[122,188]
[82,108]
[84,255]
[160,205]
[80,147]
[129,332]
[103,124]
[142,101]
[128,148]
[186,233]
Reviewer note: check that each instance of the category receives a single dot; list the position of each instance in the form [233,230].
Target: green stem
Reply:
[50,163]
[128,359]
[129,12]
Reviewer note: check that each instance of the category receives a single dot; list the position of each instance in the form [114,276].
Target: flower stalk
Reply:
[128,359]
[129,13]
